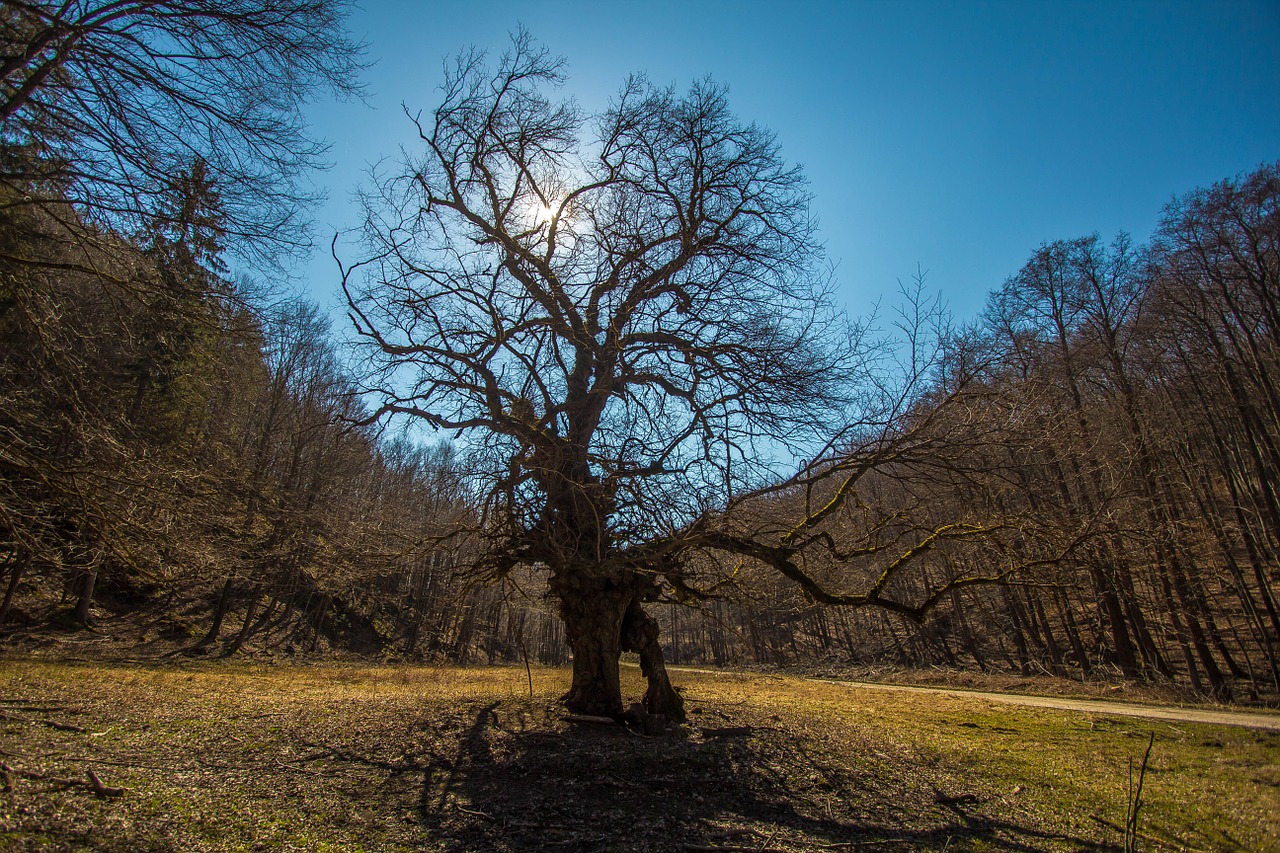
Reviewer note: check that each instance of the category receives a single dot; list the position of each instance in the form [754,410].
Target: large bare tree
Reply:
[627,316]
[625,312]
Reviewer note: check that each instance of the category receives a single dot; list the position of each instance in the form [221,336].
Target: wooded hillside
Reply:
[182,457]
[1083,481]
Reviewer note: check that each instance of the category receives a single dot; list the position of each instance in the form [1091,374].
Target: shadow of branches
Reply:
[508,776]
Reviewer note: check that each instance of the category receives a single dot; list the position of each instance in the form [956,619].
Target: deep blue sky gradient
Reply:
[955,137]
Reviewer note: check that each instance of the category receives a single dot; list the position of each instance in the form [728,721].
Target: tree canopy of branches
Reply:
[624,317]
[628,314]
[625,324]
[104,103]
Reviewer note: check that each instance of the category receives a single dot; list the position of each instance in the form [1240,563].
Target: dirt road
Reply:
[1212,716]
[1244,719]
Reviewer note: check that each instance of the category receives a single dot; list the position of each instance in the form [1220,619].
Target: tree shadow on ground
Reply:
[515,783]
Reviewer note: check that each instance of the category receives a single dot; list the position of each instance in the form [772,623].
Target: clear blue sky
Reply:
[956,136]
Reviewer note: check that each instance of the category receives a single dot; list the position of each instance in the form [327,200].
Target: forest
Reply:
[1083,481]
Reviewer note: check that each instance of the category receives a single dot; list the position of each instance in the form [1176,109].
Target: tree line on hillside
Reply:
[178,450]
[173,454]
[1081,482]
[1128,396]
[162,440]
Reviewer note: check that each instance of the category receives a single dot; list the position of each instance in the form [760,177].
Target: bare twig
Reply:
[705,848]
[100,789]
[1134,805]
[590,718]
[92,781]
[62,727]
[948,800]
[466,810]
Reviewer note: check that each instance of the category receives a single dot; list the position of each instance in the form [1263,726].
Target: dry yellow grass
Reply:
[240,757]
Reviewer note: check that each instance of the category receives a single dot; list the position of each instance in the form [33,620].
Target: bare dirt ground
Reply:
[203,757]
[1211,716]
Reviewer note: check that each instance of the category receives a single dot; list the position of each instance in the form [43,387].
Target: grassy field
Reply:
[337,758]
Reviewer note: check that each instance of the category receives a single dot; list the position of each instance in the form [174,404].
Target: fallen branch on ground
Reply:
[100,789]
[92,782]
[62,727]
[703,848]
[475,812]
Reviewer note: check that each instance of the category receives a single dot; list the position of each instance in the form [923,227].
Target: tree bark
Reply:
[603,617]
[592,609]
[640,634]
[84,600]
[19,564]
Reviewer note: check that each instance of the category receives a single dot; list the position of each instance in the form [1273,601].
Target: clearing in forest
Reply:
[237,757]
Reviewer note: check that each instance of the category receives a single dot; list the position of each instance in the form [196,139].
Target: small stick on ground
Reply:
[949,800]
[92,782]
[706,848]
[62,727]
[100,789]
[475,812]
[590,718]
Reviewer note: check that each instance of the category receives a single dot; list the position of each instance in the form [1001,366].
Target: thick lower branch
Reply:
[783,560]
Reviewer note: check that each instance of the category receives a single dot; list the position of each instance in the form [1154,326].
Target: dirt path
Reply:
[1243,719]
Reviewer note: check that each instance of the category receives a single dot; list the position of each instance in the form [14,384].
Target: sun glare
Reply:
[538,214]
[539,218]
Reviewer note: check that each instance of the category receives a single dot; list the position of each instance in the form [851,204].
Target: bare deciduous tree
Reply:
[628,315]
[626,312]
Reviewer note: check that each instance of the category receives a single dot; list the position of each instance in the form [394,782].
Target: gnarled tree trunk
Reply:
[592,609]
[640,634]
[603,617]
